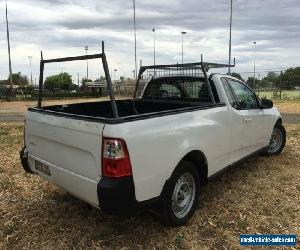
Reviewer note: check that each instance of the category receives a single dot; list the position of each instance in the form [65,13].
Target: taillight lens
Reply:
[115,158]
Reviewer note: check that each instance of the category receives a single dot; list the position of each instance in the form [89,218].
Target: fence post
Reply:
[280,84]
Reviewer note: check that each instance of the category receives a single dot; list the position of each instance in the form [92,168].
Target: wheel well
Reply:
[199,160]
[279,121]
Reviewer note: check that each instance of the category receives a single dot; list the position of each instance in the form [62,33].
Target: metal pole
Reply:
[41,81]
[182,33]
[229,69]
[87,62]
[115,70]
[9,57]
[254,67]
[134,26]
[258,84]
[207,80]
[109,84]
[154,46]
[62,75]
[30,57]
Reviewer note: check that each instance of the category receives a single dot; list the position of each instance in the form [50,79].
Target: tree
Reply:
[238,76]
[18,79]
[100,79]
[291,78]
[250,82]
[61,81]
[85,81]
[270,80]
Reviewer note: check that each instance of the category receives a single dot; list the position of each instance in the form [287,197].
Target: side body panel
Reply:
[157,145]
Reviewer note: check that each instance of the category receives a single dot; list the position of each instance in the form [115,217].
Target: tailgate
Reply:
[70,148]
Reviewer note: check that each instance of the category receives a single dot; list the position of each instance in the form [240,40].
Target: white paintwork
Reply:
[72,148]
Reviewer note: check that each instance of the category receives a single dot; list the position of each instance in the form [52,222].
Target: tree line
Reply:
[63,81]
[288,79]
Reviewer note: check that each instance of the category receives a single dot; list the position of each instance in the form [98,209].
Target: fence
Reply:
[31,93]
[272,87]
[277,89]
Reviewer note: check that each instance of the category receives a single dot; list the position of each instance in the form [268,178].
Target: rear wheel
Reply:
[277,141]
[180,195]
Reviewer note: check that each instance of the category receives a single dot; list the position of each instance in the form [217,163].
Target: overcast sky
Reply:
[63,27]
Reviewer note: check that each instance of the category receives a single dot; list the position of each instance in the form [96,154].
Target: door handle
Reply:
[248,120]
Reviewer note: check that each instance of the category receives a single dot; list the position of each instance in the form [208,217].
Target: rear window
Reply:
[185,89]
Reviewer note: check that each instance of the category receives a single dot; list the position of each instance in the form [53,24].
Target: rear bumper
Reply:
[24,160]
[117,196]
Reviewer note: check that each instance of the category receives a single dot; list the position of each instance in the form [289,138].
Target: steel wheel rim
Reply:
[183,195]
[275,141]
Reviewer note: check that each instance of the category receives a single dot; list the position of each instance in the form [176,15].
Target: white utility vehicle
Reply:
[160,147]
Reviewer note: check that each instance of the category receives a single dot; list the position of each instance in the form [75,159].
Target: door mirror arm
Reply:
[266,104]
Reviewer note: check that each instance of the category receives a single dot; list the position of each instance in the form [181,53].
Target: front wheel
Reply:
[277,141]
[180,195]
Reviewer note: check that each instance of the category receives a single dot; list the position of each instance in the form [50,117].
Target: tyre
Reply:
[180,195]
[277,141]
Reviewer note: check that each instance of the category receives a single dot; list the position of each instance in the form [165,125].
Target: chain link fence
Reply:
[269,84]
[274,85]
[30,93]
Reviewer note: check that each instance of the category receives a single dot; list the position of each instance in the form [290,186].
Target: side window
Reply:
[228,92]
[168,90]
[245,97]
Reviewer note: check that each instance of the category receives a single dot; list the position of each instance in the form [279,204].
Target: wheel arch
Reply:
[279,121]
[199,160]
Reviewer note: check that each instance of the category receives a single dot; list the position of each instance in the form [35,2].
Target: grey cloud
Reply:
[275,25]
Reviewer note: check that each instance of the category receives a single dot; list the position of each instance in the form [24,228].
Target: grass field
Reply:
[285,94]
[260,195]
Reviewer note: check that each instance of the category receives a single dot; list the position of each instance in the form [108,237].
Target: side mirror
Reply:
[266,104]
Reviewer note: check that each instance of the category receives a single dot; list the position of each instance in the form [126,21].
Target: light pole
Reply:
[229,69]
[9,57]
[115,70]
[153,30]
[182,34]
[134,27]
[87,62]
[30,58]
[254,43]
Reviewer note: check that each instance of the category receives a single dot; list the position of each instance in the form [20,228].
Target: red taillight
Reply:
[115,158]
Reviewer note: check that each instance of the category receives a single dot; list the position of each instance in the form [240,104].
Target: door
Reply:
[237,126]
[255,122]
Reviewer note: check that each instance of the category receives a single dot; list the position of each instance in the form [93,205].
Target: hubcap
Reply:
[183,195]
[276,141]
